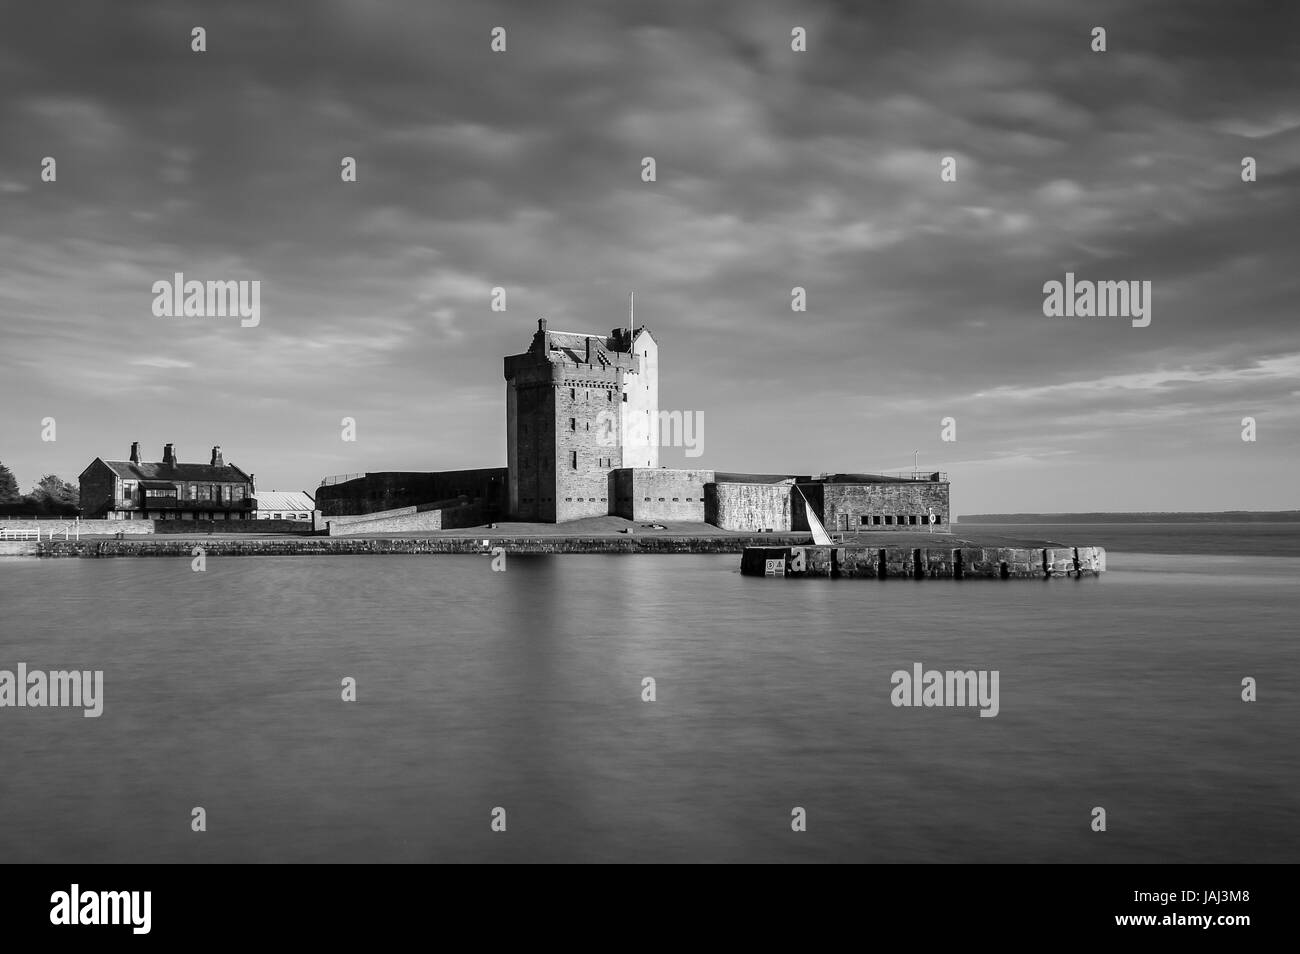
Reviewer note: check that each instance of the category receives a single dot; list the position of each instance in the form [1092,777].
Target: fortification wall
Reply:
[748,507]
[646,494]
[905,503]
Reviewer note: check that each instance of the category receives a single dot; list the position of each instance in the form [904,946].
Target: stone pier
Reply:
[919,563]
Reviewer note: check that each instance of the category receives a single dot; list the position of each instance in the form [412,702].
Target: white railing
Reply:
[71,532]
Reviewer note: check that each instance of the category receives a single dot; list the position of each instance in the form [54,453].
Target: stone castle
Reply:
[578,408]
[582,440]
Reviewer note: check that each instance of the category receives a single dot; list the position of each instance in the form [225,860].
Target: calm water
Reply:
[522,690]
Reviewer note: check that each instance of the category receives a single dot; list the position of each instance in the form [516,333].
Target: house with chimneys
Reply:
[136,489]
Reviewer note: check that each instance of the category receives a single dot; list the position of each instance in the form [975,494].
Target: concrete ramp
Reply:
[441,515]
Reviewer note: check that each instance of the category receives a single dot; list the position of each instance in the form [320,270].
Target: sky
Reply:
[775,168]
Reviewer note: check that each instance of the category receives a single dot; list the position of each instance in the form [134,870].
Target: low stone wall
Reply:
[232,526]
[919,563]
[10,527]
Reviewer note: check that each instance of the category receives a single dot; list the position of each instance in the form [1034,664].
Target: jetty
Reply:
[872,561]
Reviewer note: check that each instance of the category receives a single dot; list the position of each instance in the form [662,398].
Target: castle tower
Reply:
[578,406]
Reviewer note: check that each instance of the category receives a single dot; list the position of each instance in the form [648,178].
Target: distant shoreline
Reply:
[1228,516]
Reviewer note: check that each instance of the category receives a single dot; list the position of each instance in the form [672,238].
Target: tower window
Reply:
[573,459]
[573,394]
[573,423]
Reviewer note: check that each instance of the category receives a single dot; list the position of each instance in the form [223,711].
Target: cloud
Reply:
[776,169]
[159,362]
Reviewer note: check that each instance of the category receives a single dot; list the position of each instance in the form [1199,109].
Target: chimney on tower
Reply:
[169,455]
[216,457]
[135,452]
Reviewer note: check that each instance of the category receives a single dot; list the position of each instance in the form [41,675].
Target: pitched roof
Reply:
[278,500]
[156,470]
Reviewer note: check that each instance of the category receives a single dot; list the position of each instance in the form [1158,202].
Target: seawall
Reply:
[919,563]
[305,546]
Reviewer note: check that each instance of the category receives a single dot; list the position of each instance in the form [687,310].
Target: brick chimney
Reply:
[169,455]
[216,457]
[135,452]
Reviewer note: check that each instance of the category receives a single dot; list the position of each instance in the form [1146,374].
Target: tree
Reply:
[53,489]
[8,485]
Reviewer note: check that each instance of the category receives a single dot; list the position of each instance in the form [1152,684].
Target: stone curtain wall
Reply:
[674,494]
[750,507]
